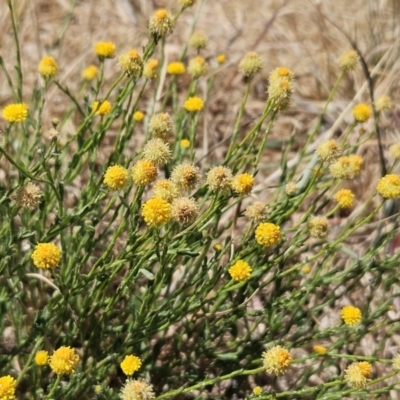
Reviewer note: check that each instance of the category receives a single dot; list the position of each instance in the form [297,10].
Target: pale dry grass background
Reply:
[307,36]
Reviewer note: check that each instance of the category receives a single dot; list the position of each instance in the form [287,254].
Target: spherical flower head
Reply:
[389,186]
[176,68]
[219,178]
[321,350]
[349,61]
[166,190]
[306,269]
[46,256]
[105,49]
[221,58]
[362,112]
[185,176]
[198,67]
[64,361]
[257,390]
[184,143]
[347,167]
[198,41]
[351,315]
[150,70]
[48,67]
[7,387]
[256,211]
[90,72]
[28,196]
[137,389]
[161,23]
[116,177]
[383,103]
[15,112]
[240,271]
[251,64]
[184,210]
[357,374]
[101,108]
[280,87]
[394,151]
[41,358]
[193,104]
[131,62]
[318,227]
[276,360]
[130,364]
[156,212]
[242,184]
[138,116]
[161,126]
[157,151]
[144,172]
[345,198]
[187,3]
[268,234]
[396,362]
[291,188]
[328,151]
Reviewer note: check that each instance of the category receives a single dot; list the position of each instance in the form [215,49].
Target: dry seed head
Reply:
[184,210]
[161,23]
[166,190]
[349,61]
[280,87]
[185,176]
[251,64]
[347,167]
[383,103]
[256,211]
[161,126]
[198,67]
[52,133]
[291,188]
[131,62]
[157,151]
[318,227]
[328,151]
[242,184]
[150,70]
[198,41]
[48,67]
[28,196]
[144,172]
[137,389]
[219,179]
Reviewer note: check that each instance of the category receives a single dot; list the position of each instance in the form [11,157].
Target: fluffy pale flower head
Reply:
[357,374]
[219,178]
[144,172]
[28,196]
[276,360]
[150,70]
[161,23]
[242,184]
[131,62]
[318,227]
[157,151]
[349,61]
[137,389]
[185,176]
[184,210]
[198,67]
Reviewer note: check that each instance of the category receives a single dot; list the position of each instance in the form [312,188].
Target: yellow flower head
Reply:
[345,198]
[251,64]
[187,3]
[349,61]
[291,188]
[144,172]
[394,151]
[198,67]
[157,151]
[357,374]
[256,211]
[130,364]
[347,167]
[219,178]
[276,360]
[64,361]
[7,387]
[131,62]
[328,151]
[156,212]
[103,109]
[280,87]
[116,177]
[184,210]
[268,234]
[362,112]
[90,72]
[240,271]
[389,186]
[161,23]
[257,390]
[161,126]
[176,68]
[321,350]
[28,196]
[221,58]
[198,41]
[242,184]
[105,49]
[46,256]
[137,389]
[306,269]
[383,103]
[15,112]
[351,315]
[185,176]
[193,104]
[185,143]
[138,116]
[396,362]
[42,358]
[318,227]
[166,190]
[150,70]
[48,67]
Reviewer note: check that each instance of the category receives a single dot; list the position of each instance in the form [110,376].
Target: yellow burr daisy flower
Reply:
[15,112]
[276,360]
[7,387]
[389,186]
[46,256]
[42,358]
[240,271]
[130,364]
[48,67]
[351,315]
[268,234]
[64,361]
[156,212]
[105,49]
[116,177]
